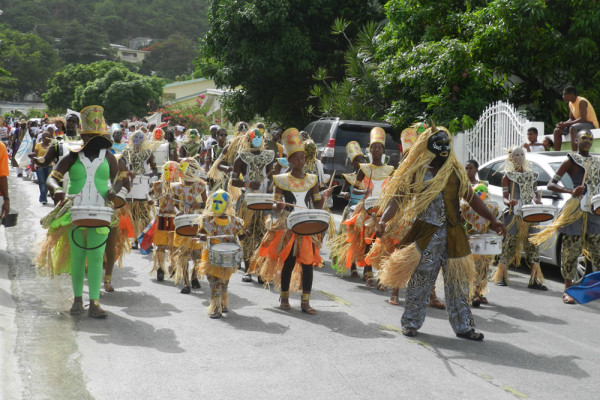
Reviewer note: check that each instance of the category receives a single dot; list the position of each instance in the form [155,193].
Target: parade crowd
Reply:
[207,203]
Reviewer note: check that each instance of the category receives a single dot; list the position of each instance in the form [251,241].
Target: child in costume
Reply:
[421,210]
[165,228]
[189,195]
[283,256]
[519,188]
[218,219]
[577,223]
[361,227]
[475,224]
[70,248]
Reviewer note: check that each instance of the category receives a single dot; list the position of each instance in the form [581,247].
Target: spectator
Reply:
[548,143]
[581,116]
[37,156]
[4,181]
[533,146]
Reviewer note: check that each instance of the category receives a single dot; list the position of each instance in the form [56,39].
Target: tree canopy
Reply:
[271,48]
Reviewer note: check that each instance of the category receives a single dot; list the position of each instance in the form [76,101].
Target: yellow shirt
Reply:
[591,114]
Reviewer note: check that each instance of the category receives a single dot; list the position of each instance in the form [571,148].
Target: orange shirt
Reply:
[591,113]
[3,160]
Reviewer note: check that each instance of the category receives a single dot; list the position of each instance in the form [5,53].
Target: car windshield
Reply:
[347,133]
[566,179]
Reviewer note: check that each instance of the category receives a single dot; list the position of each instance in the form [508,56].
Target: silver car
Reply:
[545,164]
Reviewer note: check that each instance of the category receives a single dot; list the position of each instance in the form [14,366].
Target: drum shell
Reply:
[537,212]
[91,216]
[486,244]
[140,187]
[165,223]
[596,204]
[370,203]
[259,201]
[118,202]
[185,225]
[308,222]
[225,255]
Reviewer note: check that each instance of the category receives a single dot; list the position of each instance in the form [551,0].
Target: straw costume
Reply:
[576,223]
[353,248]
[421,204]
[283,256]
[189,195]
[138,155]
[165,227]
[253,165]
[68,248]
[519,184]
[218,219]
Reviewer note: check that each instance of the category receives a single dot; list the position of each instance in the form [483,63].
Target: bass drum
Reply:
[308,222]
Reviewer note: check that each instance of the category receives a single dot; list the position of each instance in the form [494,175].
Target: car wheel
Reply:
[583,266]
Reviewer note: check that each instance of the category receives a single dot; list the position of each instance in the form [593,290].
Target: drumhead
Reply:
[225,247]
[310,227]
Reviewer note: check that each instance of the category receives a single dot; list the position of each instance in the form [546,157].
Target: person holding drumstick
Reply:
[68,248]
[476,225]
[218,224]
[519,188]
[577,221]
[421,209]
[283,252]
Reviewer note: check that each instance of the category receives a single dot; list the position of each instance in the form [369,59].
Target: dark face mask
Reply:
[439,144]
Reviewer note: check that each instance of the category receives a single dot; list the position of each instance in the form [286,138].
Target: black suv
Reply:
[331,135]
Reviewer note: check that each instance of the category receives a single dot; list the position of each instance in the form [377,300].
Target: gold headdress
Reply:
[292,141]
[353,150]
[377,136]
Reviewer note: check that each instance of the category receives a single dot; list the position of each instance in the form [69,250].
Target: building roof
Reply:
[185,82]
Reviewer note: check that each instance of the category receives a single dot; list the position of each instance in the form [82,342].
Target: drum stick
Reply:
[289,204]
[331,179]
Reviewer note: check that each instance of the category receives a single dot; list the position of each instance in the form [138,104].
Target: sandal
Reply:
[284,303]
[215,315]
[108,287]
[567,299]
[354,274]
[437,303]
[393,300]
[471,335]
[306,308]
[484,300]
[410,332]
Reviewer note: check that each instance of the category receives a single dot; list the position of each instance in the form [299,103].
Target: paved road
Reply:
[158,343]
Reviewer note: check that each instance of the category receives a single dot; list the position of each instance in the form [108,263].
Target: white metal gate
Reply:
[500,127]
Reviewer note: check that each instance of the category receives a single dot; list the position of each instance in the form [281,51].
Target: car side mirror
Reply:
[549,194]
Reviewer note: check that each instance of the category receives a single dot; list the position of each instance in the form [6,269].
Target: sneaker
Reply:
[195,284]
[160,275]
[186,290]
[536,285]
[247,278]
[44,202]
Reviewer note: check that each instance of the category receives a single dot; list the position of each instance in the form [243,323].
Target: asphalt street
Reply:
[158,343]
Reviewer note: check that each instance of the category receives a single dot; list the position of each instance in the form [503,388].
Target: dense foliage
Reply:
[271,48]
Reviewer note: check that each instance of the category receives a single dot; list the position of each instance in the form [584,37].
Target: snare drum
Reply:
[140,187]
[225,255]
[596,204]
[119,201]
[486,244]
[185,225]
[91,216]
[259,201]
[308,222]
[370,203]
[537,212]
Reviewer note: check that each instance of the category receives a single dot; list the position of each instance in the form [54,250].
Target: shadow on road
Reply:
[138,304]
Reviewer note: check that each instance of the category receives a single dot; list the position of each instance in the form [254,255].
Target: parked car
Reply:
[545,164]
[331,135]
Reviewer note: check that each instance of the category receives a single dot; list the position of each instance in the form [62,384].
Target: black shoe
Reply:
[247,278]
[225,309]
[160,275]
[134,246]
[195,284]
[19,175]
[476,301]
[502,282]
[536,285]
[471,335]
[410,332]
[186,290]
[259,279]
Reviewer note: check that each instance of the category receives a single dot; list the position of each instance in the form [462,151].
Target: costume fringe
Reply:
[500,273]
[159,259]
[54,252]
[570,213]
[181,257]
[397,269]
[522,236]
[460,274]
[482,266]
[536,273]
[141,214]
[216,305]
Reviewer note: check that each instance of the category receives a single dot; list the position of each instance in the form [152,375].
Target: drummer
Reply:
[253,166]
[577,222]
[85,245]
[519,188]
[139,159]
[360,228]
[477,225]
[165,229]
[189,196]
[218,219]
[356,157]
[282,252]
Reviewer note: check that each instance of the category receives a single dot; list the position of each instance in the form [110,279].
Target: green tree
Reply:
[29,59]
[447,60]
[121,92]
[271,48]
[171,57]
[83,44]
[7,85]
[62,86]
